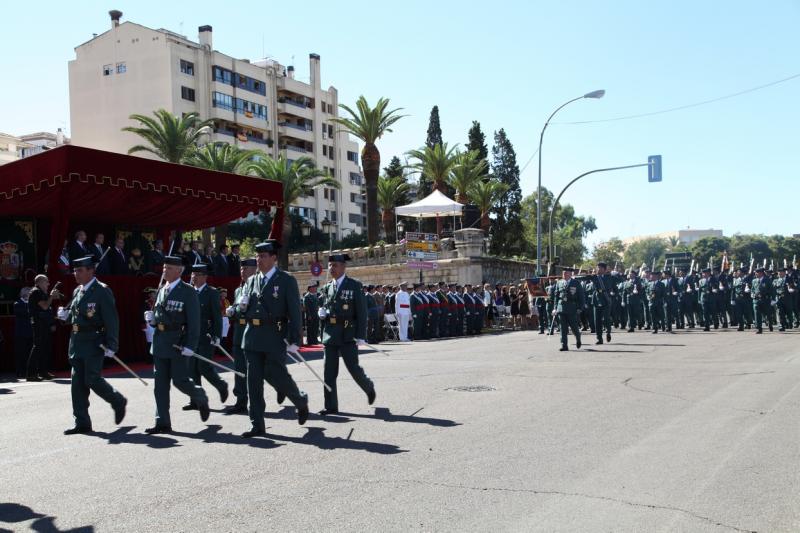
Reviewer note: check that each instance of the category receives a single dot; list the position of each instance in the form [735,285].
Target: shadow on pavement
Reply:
[383,413]
[123,435]
[211,434]
[610,351]
[15,513]
[289,413]
[316,437]
[645,344]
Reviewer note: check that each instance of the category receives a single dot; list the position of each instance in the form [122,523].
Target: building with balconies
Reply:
[259,105]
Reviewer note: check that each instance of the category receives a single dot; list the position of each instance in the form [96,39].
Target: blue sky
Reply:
[729,165]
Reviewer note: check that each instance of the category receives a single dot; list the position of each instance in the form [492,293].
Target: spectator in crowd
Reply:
[220,265]
[136,263]
[149,304]
[208,259]
[488,304]
[118,259]
[234,261]
[78,247]
[196,253]
[23,333]
[403,310]
[155,259]
[40,307]
[225,303]
[513,307]
[98,249]
[187,256]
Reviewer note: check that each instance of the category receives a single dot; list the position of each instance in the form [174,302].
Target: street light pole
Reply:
[593,94]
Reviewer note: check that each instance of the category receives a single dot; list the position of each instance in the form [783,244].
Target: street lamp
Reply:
[327,225]
[594,94]
[400,229]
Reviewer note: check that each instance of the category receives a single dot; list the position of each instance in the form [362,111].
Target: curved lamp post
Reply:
[594,94]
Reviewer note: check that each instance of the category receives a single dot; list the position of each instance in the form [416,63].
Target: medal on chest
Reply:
[91,309]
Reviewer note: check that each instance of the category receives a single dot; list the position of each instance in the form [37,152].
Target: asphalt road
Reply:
[686,432]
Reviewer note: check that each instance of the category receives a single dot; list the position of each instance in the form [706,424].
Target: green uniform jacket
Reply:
[347,312]
[628,296]
[761,289]
[210,318]
[94,314]
[705,289]
[655,291]
[273,313]
[237,320]
[177,321]
[311,304]
[569,296]
[738,291]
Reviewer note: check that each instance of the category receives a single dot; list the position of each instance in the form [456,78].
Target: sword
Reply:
[218,345]
[210,361]
[296,355]
[126,367]
[368,345]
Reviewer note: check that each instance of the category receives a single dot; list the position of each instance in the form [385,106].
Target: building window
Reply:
[355,178]
[121,68]
[108,70]
[223,75]
[355,218]
[330,130]
[330,152]
[222,101]
[187,93]
[352,156]
[187,67]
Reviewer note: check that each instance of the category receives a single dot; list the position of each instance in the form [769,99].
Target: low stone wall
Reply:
[467,270]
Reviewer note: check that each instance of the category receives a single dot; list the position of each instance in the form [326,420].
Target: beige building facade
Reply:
[684,236]
[255,105]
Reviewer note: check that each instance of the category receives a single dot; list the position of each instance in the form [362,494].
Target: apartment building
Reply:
[254,104]
[13,147]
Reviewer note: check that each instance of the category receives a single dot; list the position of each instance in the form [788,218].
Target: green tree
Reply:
[170,138]
[221,157]
[370,124]
[469,168]
[644,251]
[485,194]
[395,169]
[391,193]
[477,141]
[298,177]
[434,129]
[609,252]
[710,249]
[569,230]
[437,163]
[507,222]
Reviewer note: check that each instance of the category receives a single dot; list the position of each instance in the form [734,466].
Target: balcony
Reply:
[294,108]
[293,148]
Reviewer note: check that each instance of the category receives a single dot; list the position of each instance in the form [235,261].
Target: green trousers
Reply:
[349,353]
[270,367]
[174,369]
[86,376]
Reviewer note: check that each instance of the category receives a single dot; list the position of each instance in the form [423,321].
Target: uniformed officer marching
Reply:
[210,324]
[247,268]
[92,313]
[176,318]
[707,293]
[270,302]
[343,312]
[311,309]
[568,300]
[761,292]
[603,293]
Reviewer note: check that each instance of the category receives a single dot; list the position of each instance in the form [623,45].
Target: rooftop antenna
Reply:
[263,49]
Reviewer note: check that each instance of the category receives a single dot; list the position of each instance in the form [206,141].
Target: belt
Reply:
[259,322]
[404,306]
[87,329]
[165,327]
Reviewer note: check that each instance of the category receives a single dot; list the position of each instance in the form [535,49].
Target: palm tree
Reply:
[436,163]
[369,124]
[298,177]
[485,194]
[222,157]
[169,137]
[391,193]
[468,170]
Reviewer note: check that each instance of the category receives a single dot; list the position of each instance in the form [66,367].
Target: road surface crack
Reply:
[627,383]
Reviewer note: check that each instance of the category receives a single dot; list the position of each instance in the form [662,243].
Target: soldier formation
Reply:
[744,298]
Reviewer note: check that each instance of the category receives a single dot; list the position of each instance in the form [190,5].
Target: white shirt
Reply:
[339,282]
[201,287]
[168,288]
[85,288]
[401,299]
[264,277]
[99,247]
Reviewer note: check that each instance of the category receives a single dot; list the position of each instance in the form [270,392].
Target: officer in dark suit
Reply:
[176,319]
[78,248]
[155,259]
[311,310]
[221,266]
[569,300]
[343,312]
[92,315]
[239,323]
[118,259]
[42,320]
[210,324]
[233,261]
[98,250]
[271,306]
[23,332]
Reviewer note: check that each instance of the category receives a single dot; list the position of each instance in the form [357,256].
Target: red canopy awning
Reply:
[87,184]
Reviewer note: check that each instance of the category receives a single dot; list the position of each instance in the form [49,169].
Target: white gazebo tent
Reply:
[434,205]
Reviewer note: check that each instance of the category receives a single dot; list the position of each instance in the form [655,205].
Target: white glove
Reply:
[361,342]
[791,289]
[230,311]
[714,291]
[149,317]
[293,348]
[322,313]
[747,288]
[215,340]
[773,303]
[186,351]
[108,353]
[62,314]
